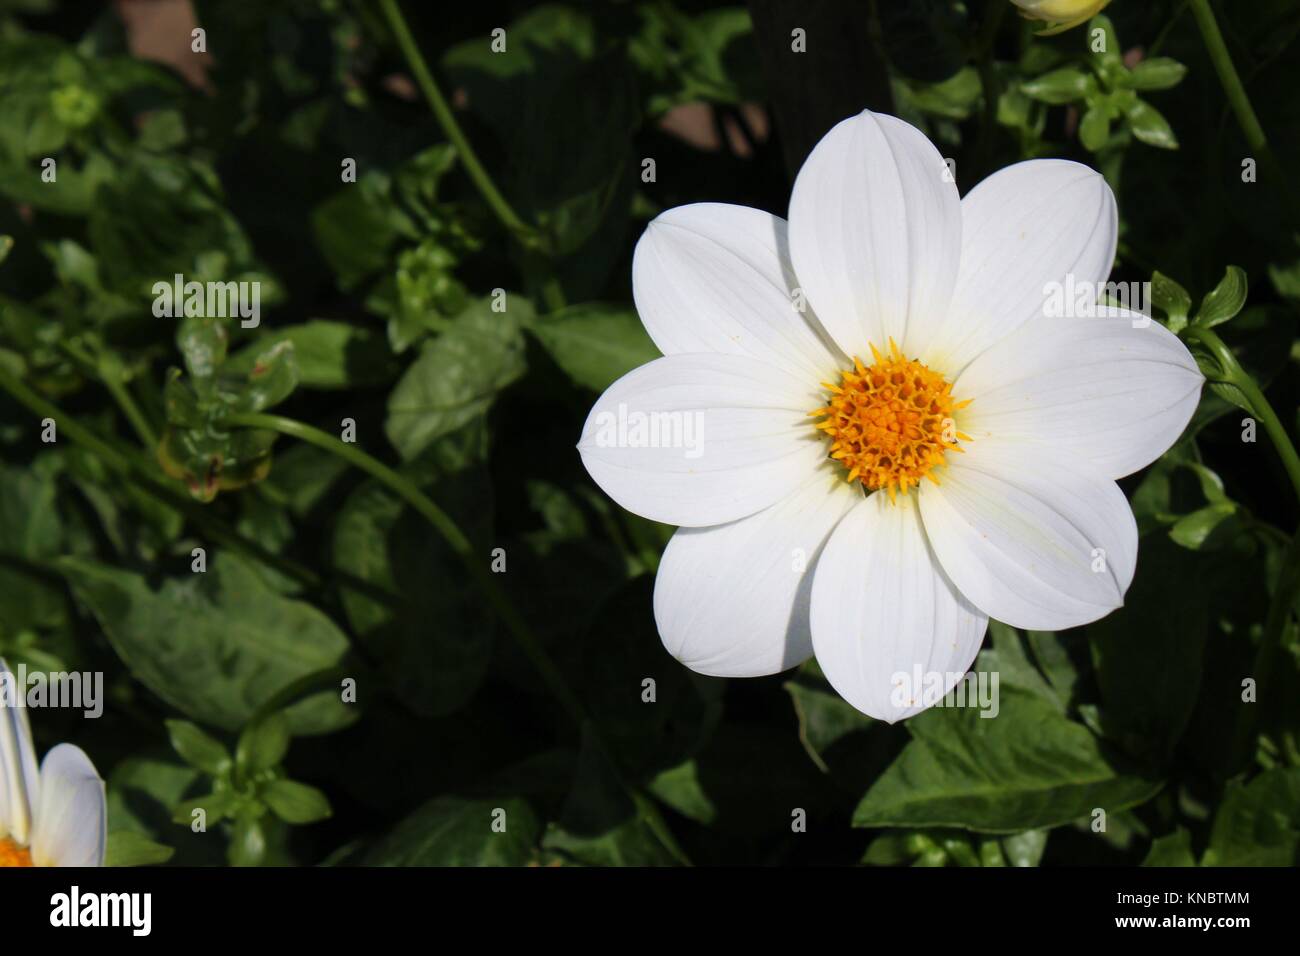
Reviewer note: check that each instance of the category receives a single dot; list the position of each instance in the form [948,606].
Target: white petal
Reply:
[1115,395]
[1026,226]
[72,818]
[875,234]
[19,781]
[1031,535]
[732,601]
[712,277]
[702,439]
[885,618]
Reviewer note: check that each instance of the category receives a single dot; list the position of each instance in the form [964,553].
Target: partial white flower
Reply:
[892,334]
[54,816]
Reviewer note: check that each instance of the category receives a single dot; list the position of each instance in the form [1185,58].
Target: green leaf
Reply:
[247,842]
[1157,73]
[557,81]
[1224,301]
[599,824]
[1149,126]
[1028,767]
[1066,85]
[215,645]
[271,379]
[216,806]
[433,644]
[1025,849]
[595,343]
[1109,60]
[1174,849]
[126,848]
[1203,527]
[1094,128]
[1258,824]
[651,711]
[462,831]
[953,98]
[824,716]
[198,748]
[457,376]
[1172,299]
[329,354]
[356,230]
[680,788]
[263,744]
[294,802]
[1148,654]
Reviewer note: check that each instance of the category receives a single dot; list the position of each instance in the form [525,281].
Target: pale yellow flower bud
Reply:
[1060,15]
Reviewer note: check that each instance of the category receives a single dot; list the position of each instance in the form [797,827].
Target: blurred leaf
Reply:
[1149,126]
[680,788]
[328,355]
[1066,85]
[215,645]
[198,748]
[1148,653]
[1094,129]
[1175,849]
[555,83]
[1157,73]
[458,831]
[263,745]
[599,825]
[457,376]
[125,848]
[653,712]
[432,643]
[295,803]
[1025,849]
[1258,823]
[926,39]
[953,98]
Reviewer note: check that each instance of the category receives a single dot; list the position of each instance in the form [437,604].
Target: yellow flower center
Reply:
[890,424]
[11,854]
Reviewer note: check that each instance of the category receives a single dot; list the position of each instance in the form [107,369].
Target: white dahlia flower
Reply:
[871,431]
[52,816]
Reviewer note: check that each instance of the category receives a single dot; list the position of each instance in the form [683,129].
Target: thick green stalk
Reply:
[442,113]
[482,577]
[1235,91]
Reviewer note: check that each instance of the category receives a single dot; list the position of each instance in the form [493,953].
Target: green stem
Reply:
[1230,80]
[476,566]
[118,390]
[993,14]
[442,113]
[1238,377]
[1272,643]
[129,464]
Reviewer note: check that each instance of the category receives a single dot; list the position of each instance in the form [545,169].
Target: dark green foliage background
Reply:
[222,686]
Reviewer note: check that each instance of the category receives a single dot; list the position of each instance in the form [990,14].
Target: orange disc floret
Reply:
[891,423]
[11,854]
